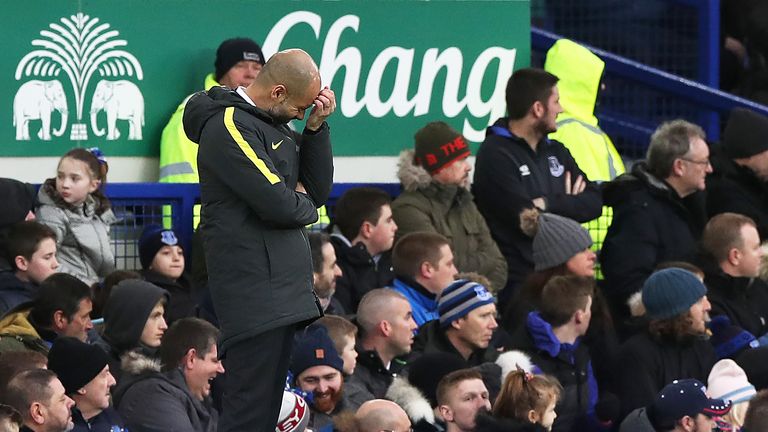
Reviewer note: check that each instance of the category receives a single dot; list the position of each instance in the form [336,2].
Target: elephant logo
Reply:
[120,100]
[77,48]
[36,100]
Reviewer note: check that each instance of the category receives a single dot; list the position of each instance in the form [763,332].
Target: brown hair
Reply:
[414,249]
[98,168]
[526,87]
[562,296]
[522,392]
[24,238]
[756,418]
[696,270]
[448,382]
[678,329]
[358,205]
[723,233]
[338,329]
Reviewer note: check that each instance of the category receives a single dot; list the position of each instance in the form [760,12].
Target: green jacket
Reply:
[449,210]
[18,334]
[580,71]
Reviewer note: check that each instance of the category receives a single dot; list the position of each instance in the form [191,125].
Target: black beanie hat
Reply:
[234,50]
[75,362]
[426,372]
[746,134]
[153,238]
[314,348]
[437,146]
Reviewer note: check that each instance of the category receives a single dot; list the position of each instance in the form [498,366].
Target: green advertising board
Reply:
[109,73]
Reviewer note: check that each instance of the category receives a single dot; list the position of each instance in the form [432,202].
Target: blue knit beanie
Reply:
[460,298]
[670,292]
[153,238]
[314,348]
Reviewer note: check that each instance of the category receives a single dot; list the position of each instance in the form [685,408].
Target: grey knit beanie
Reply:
[556,239]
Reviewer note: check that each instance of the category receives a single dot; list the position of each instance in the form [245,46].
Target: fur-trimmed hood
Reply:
[412,177]
[135,362]
[411,400]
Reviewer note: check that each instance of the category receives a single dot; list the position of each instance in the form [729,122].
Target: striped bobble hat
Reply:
[460,298]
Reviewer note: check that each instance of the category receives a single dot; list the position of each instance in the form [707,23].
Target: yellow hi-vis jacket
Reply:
[580,71]
[178,160]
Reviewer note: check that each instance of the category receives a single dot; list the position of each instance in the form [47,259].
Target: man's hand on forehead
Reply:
[323,106]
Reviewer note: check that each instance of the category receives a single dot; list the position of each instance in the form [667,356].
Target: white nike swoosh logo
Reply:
[276,145]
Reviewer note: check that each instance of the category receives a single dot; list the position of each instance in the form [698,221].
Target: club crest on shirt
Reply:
[555,167]
[524,170]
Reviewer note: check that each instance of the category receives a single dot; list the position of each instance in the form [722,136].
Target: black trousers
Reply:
[255,378]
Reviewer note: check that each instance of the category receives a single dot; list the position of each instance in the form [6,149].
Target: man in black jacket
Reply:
[658,211]
[260,184]
[517,167]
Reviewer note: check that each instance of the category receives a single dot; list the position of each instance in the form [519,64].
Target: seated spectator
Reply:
[62,308]
[757,414]
[416,392]
[461,396]
[658,212]
[436,198]
[387,327]
[466,325]
[552,337]
[162,260]
[673,345]
[343,334]
[740,164]
[526,403]
[680,406]
[317,369]
[74,206]
[728,382]
[133,322]
[10,419]
[176,396]
[42,401]
[381,415]
[732,252]
[325,271]
[363,235]
[294,414]
[84,373]
[30,248]
[424,267]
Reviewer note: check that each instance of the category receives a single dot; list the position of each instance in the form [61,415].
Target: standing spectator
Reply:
[658,211]
[552,337]
[674,344]
[740,164]
[518,167]
[163,262]
[84,373]
[325,271]
[424,267]
[73,204]
[436,198]
[387,326]
[580,73]
[261,183]
[733,254]
[133,322]
[317,369]
[365,231]
[62,308]
[30,248]
[176,397]
[466,325]
[42,401]
[461,396]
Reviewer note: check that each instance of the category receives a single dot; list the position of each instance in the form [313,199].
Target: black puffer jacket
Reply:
[257,252]
[651,225]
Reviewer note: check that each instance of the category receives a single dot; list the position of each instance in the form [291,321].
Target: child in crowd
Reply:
[162,259]
[528,398]
[343,334]
[30,249]
[75,207]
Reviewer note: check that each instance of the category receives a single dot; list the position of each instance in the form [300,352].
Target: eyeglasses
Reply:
[704,162]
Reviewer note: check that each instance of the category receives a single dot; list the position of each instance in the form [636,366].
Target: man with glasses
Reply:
[658,211]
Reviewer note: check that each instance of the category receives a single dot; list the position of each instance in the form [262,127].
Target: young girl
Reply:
[528,398]
[73,205]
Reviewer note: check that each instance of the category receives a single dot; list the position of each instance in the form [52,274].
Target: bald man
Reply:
[381,415]
[261,183]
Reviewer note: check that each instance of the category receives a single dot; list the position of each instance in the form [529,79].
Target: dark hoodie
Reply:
[128,307]
[651,225]
[258,256]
